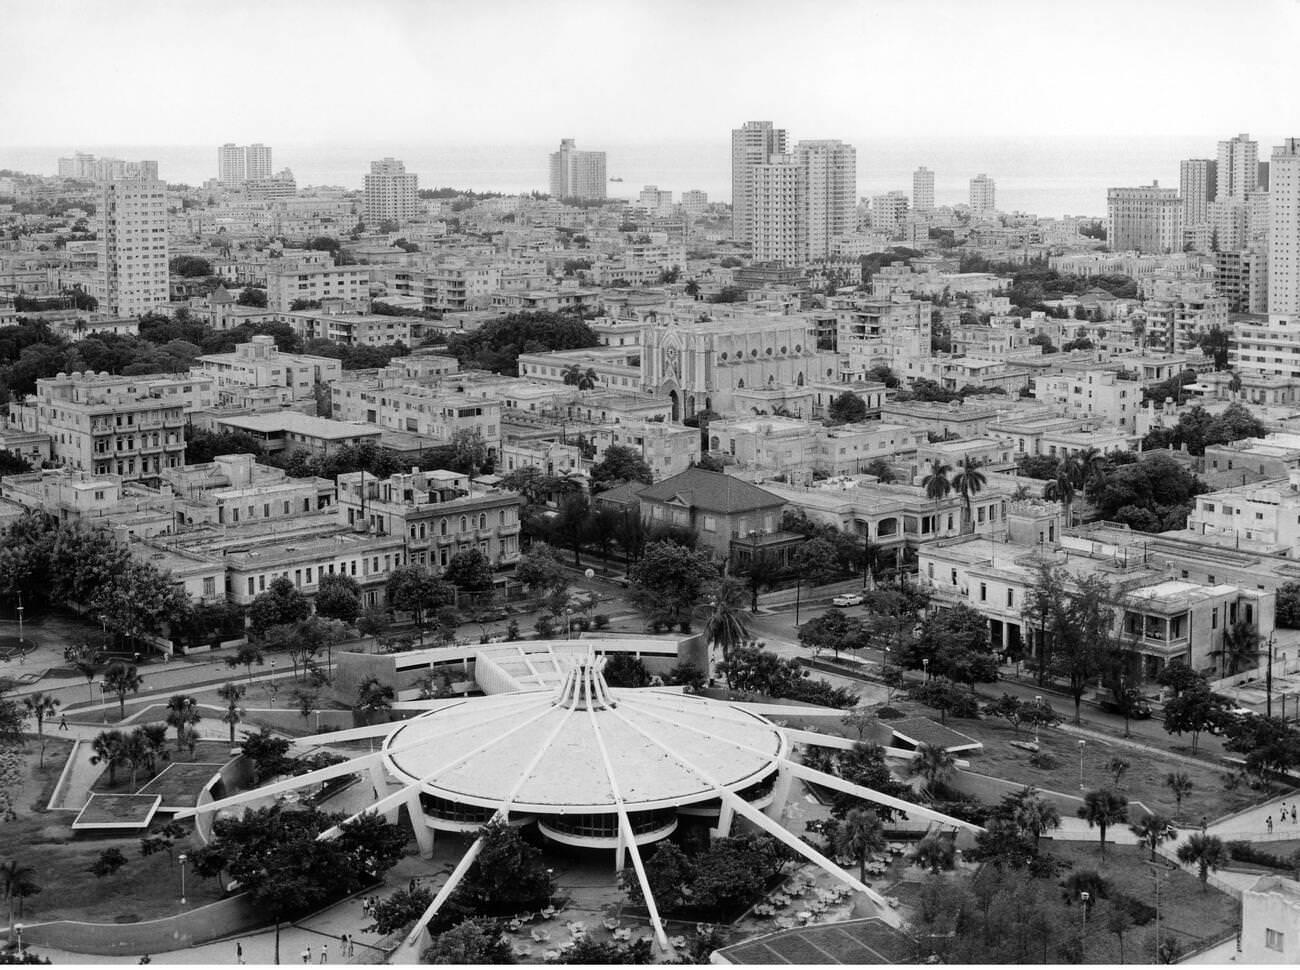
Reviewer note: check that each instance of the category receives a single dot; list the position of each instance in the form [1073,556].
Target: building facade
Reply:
[1284,234]
[1146,219]
[983,194]
[1198,187]
[831,180]
[751,144]
[577,174]
[391,192]
[1237,172]
[132,223]
[923,189]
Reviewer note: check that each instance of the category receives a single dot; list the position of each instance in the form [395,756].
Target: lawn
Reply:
[1187,912]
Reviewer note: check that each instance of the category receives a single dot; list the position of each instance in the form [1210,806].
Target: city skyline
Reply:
[531,98]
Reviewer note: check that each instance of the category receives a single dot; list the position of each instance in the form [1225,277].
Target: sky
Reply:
[144,72]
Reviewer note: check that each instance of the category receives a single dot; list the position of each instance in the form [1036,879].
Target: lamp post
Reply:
[20,628]
[925,668]
[1082,745]
[1268,681]
[798,586]
[1084,897]
[18,932]
[182,859]
[102,702]
[568,618]
[1038,709]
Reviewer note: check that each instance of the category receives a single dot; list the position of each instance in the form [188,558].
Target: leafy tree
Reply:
[1195,710]
[268,754]
[109,748]
[1101,809]
[573,525]
[946,698]
[17,881]
[955,642]
[1288,606]
[400,910]
[338,597]
[669,581]
[281,604]
[620,464]
[1206,852]
[182,715]
[832,630]
[189,266]
[39,706]
[251,296]
[815,561]
[934,763]
[508,876]
[586,950]
[496,345]
[374,696]
[625,670]
[122,679]
[1241,643]
[416,590]
[469,571]
[472,942]
[203,446]
[246,654]
[847,408]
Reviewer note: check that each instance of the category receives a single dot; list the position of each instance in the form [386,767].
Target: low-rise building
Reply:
[293,431]
[1103,395]
[260,365]
[351,284]
[718,508]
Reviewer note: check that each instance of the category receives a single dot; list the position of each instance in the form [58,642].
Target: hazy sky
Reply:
[78,72]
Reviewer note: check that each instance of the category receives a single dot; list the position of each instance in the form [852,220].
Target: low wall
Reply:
[61,788]
[990,791]
[225,917]
[809,594]
[235,775]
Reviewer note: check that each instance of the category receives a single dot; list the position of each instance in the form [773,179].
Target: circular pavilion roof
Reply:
[554,750]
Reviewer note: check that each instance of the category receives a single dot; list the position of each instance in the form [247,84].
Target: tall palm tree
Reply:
[1241,643]
[16,881]
[938,486]
[934,763]
[727,626]
[860,834]
[108,747]
[1153,830]
[182,714]
[1206,852]
[1061,489]
[231,693]
[40,706]
[1102,809]
[155,736]
[1033,814]
[122,679]
[136,752]
[968,482]
[1179,784]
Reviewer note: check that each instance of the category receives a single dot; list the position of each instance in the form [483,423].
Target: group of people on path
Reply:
[1282,816]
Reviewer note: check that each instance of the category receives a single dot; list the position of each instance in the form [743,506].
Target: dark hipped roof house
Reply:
[730,516]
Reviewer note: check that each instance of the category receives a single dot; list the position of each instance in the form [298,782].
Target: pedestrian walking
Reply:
[239,952]
[306,954]
[1293,814]
[352,950]
[1205,823]
[63,722]
[1269,822]
[324,953]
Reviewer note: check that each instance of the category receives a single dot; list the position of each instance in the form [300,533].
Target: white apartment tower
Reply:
[576,174]
[257,162]
[1238,169]
[983,197]
[232,170]
[922,190]
[1284,233]
[778,210]
[1197,186]
[391,193]
[132,227]
[754,143]
[831,191]
[1145,218]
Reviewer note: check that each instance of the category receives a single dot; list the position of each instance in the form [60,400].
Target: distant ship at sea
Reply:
[615,178]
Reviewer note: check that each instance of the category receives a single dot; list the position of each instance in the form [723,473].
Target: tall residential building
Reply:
[80,166]
[922,189]
[132,227]
[257,162]
[1146,218]
[1197,186]
[232,170]
[752,144]
[1284,231]
[390,192]
[888,211]
[983,193]
[1238,168]
[831,180]
[777,207]
[576,174]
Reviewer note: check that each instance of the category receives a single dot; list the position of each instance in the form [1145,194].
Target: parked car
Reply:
[1139,709]
[849,599]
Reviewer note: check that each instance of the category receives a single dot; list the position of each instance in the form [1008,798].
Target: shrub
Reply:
[1041,759]
[889,714]
[602,621]
[1245,852]
[545,627]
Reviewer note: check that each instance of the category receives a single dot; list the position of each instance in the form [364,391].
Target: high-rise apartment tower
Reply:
[577,174]
[754,143]
[922,190]
[132,228]
[391,193]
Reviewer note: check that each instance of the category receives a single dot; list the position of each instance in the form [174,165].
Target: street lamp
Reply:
[925,668]
[182,859]
[1268,679]
[1082,743]
[20,628]
[102,702]
[1038,710]
[18,931]
[798,588]
[1083,925]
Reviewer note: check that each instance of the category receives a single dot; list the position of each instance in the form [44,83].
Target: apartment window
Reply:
[261,583]
[286,506]
[1274,939]
[984,592]
[929,569]
[309,575]
[1011,597]
[209,586]
[954,577]
[1214,618]
[251,590]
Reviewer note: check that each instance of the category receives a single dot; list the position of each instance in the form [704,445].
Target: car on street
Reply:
[848,599]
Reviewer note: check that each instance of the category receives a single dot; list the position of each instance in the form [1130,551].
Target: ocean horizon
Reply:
[1049,177]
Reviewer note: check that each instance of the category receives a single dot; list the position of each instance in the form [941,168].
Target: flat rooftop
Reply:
[299,423]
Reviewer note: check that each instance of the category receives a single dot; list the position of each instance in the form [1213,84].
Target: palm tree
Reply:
[968,482]
[1033,814]
[1180,784]
[108,747]
[16,881]
[727,626]
[1102,809]
[1061,489]
[938,486]
[182,713]
[40,706]
[1234,384]
[1206,852]
[582,380]
[155,736]
[1240,647]
[934,763]
[1153,830]
[136,752]
[231,693]
[860,834]
[122,679]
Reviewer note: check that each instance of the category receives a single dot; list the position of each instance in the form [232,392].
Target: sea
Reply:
[1047,176]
